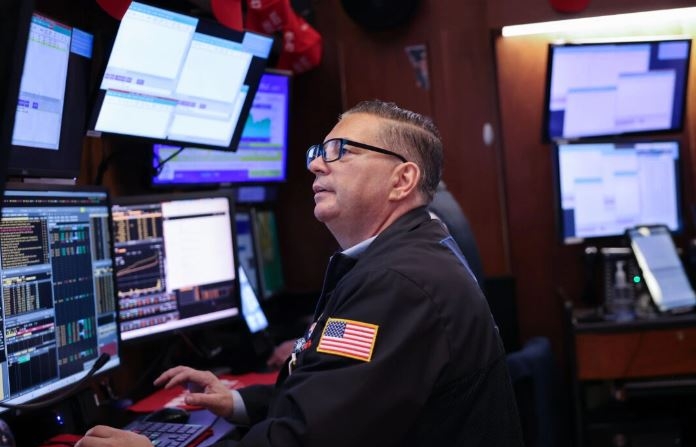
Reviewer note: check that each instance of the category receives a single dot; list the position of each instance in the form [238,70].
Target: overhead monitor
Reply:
[260,158]
[15,19]
[605,188]
[605,89]
[51,114]
[58,304]
[176,265]
[176,78]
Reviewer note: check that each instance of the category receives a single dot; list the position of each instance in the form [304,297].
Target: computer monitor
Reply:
[269,260]
[605,188]
[253,314]
[58,304]
[51,114]
[15,18]
[260,158]
[176,264]
[246,248]
[176,78]
[622,88]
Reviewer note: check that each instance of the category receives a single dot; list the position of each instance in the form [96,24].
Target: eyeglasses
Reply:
[335,148]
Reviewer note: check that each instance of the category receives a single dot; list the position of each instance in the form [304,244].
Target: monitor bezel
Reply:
[205,26]
[114,363]
[66,161]
[13,45]
[546,137]
[186,186]
[619,237]
[190,195]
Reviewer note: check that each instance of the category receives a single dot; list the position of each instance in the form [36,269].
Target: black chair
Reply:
[500,290]
[532,368]
[446,208]
[533,374]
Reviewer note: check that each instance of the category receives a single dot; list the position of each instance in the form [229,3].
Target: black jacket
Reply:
[436,373]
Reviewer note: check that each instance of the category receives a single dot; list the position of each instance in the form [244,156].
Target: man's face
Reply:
[351,194]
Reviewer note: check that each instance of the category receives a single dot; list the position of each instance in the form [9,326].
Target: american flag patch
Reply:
[348,338]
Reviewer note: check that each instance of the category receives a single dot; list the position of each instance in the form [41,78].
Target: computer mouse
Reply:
[169,414]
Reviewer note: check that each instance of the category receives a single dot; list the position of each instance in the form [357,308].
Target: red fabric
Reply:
[302,47]
[268,16]
[62,440]
[115,8]
[175,396]
[228,12]
[302,44]
[569,6]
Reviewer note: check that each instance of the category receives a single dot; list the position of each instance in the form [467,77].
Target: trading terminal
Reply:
[126,124]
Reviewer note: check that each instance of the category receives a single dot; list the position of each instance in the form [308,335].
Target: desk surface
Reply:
[591,320]
[641,348]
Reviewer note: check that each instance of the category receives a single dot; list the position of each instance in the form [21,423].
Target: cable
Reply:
[103,165]
[101,361]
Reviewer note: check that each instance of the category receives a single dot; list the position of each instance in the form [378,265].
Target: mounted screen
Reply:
[615,88]
[176,264]
[261,156]
[15,20]
[605,188]
[51,116]
[58,309]
[661,267]
[173,77]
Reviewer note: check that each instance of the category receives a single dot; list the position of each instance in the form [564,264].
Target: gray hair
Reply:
[411,133]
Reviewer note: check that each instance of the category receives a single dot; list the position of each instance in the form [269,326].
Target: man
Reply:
[403,350]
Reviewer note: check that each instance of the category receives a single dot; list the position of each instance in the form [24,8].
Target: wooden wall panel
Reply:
[521,75]
[461,99]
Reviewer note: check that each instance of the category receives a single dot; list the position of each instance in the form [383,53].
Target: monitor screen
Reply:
[175,262]
[254,316]
[615,88]
[51,115]
[173,77]
[605,188]
[661,267]
[260,157]
[15,18]
[269,261]
[58,304]
[246,248]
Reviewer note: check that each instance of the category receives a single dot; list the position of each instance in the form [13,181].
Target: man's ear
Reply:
[405,179]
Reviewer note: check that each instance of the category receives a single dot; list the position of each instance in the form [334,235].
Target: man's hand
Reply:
[280,354]
[215,395]
[103,436]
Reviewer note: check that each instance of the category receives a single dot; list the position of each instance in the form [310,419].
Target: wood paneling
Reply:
[461,99]
[521,74]
[636,354]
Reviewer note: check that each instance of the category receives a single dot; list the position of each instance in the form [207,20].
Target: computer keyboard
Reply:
[169,434]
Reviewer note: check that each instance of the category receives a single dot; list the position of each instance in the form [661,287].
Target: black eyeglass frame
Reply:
[317,150]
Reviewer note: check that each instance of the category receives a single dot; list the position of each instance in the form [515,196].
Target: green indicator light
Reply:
[636,279]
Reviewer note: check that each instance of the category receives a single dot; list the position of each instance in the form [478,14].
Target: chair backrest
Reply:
[534,378]
[446,208]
